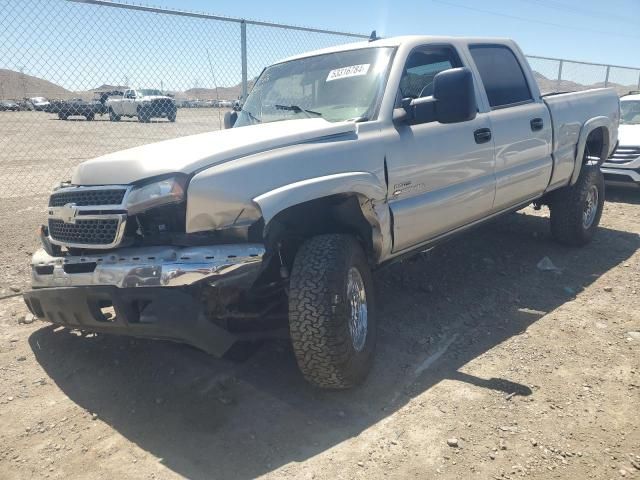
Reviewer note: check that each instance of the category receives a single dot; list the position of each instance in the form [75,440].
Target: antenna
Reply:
[374,36]
[215,84]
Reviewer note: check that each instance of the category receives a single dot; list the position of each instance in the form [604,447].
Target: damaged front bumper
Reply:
[142,292]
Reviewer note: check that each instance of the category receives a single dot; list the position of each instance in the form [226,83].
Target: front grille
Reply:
[89,197]
[85,232]
[624,155]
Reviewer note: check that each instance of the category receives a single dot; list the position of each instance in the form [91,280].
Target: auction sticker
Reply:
[346,72]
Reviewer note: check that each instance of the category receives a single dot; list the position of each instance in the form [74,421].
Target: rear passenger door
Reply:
[521,126]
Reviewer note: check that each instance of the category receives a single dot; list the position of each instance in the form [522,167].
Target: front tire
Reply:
[172,116]
[331,311]
[576,210]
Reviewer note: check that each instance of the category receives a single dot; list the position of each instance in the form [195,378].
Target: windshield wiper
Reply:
[297,109]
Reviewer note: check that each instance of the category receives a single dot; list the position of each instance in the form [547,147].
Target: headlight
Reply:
[162,192]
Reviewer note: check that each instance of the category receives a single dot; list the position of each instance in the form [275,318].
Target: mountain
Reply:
[16,85]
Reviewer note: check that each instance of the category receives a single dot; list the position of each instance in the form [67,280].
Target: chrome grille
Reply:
[88,197]
[85,232]
[624,155]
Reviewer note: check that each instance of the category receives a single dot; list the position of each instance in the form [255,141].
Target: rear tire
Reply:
[90,117]
[143,116]
[331,311]
[112,116]
[172,116]
[62,116]
[576,210]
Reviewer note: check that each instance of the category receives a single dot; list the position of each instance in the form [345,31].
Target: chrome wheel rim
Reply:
[590,207]
[357,298]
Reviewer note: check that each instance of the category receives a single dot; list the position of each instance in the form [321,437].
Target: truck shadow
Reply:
[209,418]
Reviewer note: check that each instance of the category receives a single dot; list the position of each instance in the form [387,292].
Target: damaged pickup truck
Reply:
[339,161]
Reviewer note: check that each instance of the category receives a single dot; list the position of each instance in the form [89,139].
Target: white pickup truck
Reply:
[143,103]
[340,161]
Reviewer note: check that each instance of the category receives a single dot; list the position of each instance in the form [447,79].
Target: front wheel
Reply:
[172,116]
[331,311]
[62,116]
[576,210]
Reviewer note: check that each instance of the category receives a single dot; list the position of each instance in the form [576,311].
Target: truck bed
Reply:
[570,113]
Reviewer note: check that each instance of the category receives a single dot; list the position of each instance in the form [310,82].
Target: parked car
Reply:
[142,103]
[623,167]
[340,161]
[9,106]
[39,104]
[79,107]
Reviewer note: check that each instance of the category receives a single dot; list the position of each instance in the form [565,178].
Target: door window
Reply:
[502,75]
[422,66]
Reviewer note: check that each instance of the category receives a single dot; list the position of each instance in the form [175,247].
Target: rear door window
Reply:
[502,75]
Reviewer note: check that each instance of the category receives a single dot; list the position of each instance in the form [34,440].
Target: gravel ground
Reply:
[487,367]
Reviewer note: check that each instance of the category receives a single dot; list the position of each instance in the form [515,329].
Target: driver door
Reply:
[441,176]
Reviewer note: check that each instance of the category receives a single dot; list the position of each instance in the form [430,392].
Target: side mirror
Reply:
[453,100]
[456,97]
[230,119]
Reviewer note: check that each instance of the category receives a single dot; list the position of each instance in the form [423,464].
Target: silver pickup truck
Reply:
[339,161]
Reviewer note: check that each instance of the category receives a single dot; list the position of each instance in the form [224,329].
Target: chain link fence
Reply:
[68,67]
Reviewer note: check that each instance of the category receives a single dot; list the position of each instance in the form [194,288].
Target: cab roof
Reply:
[409,40]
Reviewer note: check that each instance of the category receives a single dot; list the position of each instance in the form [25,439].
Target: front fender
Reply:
[275,201]
[588,127]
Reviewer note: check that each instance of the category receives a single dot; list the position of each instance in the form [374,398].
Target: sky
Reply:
[82,46]
[588,30]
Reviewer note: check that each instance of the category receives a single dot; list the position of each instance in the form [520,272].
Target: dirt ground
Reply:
[487,367]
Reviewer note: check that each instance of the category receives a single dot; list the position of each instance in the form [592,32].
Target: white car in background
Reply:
[39,104]
[623,167]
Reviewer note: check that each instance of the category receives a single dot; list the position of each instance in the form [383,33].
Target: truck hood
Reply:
[629,135]
[195,152]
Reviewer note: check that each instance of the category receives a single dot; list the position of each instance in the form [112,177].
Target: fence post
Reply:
[560,74]
[243,50]
[606,77]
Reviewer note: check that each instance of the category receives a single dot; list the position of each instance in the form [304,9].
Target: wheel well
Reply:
[341,213]
[597,145]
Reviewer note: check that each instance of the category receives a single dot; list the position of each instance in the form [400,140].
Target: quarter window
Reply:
[501,74]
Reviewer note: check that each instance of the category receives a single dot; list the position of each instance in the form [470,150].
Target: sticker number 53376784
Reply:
[351,71]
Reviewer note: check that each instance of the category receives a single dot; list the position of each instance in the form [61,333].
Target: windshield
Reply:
[334,86]
[148,93]
[630,112]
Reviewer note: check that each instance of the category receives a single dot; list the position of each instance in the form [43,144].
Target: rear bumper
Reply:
[159,313]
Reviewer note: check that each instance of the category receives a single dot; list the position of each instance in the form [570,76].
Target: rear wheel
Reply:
[143,115]
[62,116]
[331,311]
[112,116]
[90,117]
[171,116]
[576,210]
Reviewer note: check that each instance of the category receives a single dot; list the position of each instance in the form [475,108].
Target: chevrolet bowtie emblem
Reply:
[68,213]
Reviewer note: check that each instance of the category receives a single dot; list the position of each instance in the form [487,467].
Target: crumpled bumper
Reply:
[150,267]
[142,292]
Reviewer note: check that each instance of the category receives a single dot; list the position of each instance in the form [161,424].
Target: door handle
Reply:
[537,124]
[482,135]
